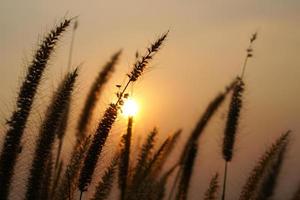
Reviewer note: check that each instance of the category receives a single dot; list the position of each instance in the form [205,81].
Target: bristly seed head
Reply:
[141,63]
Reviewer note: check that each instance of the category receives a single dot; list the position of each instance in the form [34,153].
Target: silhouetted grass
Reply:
[105,184]
[95,93]
[140,177]
[46,182]
[252,183]
[187,170]
[17,122]
[270,178]
[110,116]
[189,147]
[69,180]
[96,146]
[231,127]
[47,133]
[212,191]
[125,158]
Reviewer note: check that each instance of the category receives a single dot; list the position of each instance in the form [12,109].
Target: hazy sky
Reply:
[204,51]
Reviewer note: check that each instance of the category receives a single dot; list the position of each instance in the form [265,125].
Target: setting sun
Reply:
[130,107]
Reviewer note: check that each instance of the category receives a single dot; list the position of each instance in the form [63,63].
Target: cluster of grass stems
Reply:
[144,177]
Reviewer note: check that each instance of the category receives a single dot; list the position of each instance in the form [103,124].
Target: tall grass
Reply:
[47,133]
[17,122]
[46,181]
[190,146]
[231,127]
[234,115]
[110,116]
[95,93]
[125,158]
[105,185]
[144,176]
[253,181]
[68,184]
[61,131]
[212,191]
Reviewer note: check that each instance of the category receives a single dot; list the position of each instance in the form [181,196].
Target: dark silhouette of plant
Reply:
[125,158]
[95,93]
[212,191]
[194,137]
[269,180]
[17,122]
[110,116]
[252,183]
[234,115]
[105,185]
[47,133]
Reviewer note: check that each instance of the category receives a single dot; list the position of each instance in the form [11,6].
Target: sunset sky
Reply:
[203,53]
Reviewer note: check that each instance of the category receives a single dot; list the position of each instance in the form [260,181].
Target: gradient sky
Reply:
[204,52]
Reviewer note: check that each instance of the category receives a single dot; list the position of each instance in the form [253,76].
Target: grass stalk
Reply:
[224,181]
[212,191]
[110,116]
[105,185]
[47,133]
[260,168]
[125,158]
[94,95]
[17,122]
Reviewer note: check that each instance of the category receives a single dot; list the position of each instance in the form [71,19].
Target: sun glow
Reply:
[130,108]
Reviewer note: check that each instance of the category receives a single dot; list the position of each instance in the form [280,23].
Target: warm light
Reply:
[130,107]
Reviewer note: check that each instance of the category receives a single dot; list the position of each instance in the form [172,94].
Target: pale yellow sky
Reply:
[204,51]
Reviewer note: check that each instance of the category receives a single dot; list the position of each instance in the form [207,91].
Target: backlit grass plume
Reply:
[261,167]
[161,185]
[270,178]
[17,122]
[46,182]
[187,170]
[60,132]
[109,118]
[95,93]
[142,62]
[234,115]
[212,191]
[125,158]
[105,185]
[69,182]
[194,137]
[56,179]
[232,120]
[47,133]
[96,146]
[161,156]
[205,118]
[144,158]
[231,127]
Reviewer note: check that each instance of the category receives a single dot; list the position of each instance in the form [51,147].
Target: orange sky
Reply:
[204,51]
